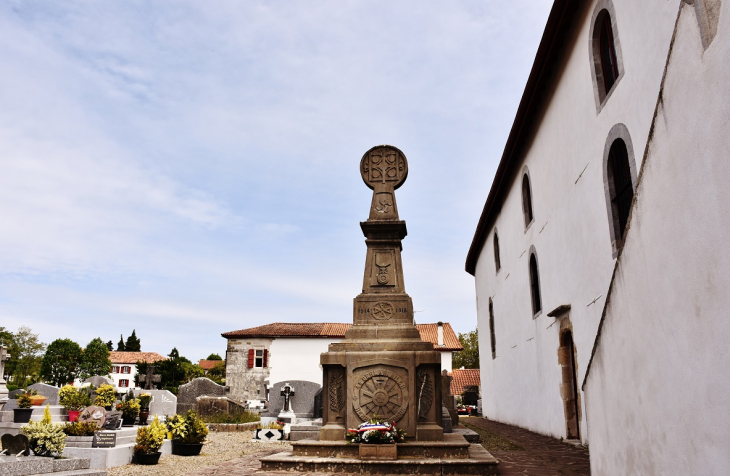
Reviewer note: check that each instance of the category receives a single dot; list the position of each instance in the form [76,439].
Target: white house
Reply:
[572,266]
[264,355]
[124,367]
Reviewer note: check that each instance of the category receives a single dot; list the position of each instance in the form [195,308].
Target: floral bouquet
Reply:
[376,432]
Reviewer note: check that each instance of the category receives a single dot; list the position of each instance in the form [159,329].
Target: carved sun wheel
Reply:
[381,397]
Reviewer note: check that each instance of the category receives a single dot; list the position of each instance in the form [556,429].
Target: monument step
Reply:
[478,462]
[87,472]
[453,446]
[32,465]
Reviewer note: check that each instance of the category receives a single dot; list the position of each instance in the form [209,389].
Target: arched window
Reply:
[620,186]
[605,51]
[607,48]
[492,338]
[527,200]
[497,262]
[535,285]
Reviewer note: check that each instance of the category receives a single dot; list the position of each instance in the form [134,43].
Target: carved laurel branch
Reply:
[337,400]
[425,394]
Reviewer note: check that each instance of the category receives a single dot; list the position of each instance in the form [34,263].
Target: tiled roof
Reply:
[208,364]
[330,329]
[463,378]
[134,357]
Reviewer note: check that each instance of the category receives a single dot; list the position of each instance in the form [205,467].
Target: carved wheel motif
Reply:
[385,165]
[382,310]
[379,394]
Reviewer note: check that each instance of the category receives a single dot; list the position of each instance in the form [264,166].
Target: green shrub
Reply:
[73,398]
[188,428]
[11,387]
[24,401]
[45,439]
[105,396]
[150,438]
[79,428]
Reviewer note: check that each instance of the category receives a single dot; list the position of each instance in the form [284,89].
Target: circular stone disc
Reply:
[384,164]
[95,414]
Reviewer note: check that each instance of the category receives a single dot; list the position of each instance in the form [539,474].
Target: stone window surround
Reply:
[533,252]
[618,131]
[526,173]
[600,95]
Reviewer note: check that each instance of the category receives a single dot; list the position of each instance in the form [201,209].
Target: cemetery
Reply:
[383,405]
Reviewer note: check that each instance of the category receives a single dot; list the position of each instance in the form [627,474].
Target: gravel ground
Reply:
[219,448]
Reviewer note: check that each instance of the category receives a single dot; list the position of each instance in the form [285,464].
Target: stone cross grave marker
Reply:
[287,392]
[150,377]
[3,387]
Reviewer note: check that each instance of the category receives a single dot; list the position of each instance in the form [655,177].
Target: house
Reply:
[598,245]
[464,378]
[207,365]
[261,356]
[124,367]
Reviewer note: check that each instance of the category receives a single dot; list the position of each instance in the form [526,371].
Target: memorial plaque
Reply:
[95,414]
[14,444]
[104,439]
[113,421]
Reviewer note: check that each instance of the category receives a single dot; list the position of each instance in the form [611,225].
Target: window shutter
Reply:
[250,358]
[266,358]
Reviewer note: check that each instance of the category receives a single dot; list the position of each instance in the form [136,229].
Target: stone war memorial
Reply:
[382,369]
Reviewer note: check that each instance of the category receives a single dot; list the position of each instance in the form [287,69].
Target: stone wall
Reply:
[246,383]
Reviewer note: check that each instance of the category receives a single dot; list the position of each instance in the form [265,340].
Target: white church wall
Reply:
[297,358]
[570,232]
[658,391]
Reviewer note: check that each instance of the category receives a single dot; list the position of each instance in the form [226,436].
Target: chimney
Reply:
[440,334]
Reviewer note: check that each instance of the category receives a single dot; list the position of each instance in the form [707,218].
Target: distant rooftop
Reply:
[464,378]
[134,357]
[428,332]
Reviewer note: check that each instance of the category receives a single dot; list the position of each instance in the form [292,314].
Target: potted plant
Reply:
[24,411]
[188,433]
[377,439]
[149,441]
[35,399]
[130,410]
[45,438]
[105,396]
[73,400]
[144,411]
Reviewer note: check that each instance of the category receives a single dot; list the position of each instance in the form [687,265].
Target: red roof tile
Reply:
[463,378]
[208,364]
[429,332]
[134,357]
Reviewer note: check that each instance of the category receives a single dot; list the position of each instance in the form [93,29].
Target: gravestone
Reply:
[187,394]
[470,395]
[302,403]
[382,368]
[4,356]
[317,404]
[48,391]
[14,444]
[208,406]
[449,400]
[163,402]
[99,380]
[94,414]
[14,393]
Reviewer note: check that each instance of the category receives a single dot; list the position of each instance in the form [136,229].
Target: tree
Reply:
[120,344]
[94,360]
[214,357]
[26,353]
[469,357]
[133,344]
[218,373]
[110,346]
[60,365]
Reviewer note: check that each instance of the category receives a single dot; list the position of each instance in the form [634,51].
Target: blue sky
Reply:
[191,168]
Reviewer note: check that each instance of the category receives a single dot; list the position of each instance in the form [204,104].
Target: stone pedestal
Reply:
[382,369]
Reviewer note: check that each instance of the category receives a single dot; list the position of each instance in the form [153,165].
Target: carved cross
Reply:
[150,377]
[287,392]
